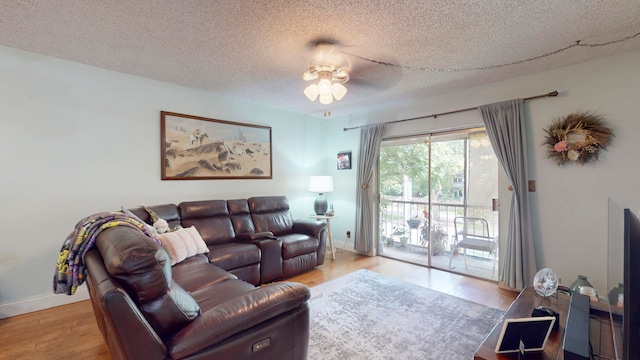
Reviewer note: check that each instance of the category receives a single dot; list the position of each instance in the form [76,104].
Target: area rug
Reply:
[366,315]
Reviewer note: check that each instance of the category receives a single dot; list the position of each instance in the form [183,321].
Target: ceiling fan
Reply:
[329,68]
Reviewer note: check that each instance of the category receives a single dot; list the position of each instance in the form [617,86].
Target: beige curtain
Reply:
[370,140]
[505,125]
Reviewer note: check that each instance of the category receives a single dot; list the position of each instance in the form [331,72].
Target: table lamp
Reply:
[320,185]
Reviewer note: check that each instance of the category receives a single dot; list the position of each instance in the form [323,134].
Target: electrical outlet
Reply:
[348,234]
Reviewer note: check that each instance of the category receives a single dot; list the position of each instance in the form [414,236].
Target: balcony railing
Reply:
[395,214]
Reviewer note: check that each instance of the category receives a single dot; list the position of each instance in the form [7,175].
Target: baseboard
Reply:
[342,249]
[42,302]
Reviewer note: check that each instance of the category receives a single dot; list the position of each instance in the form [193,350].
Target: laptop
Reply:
[524,334]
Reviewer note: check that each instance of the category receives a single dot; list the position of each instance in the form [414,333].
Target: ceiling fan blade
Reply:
[341,76]
[375,76]
[308,76]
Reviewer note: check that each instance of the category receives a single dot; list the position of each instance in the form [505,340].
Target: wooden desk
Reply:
[599,328]
[522,306]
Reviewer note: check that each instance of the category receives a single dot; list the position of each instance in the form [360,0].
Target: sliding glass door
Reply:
[428,186]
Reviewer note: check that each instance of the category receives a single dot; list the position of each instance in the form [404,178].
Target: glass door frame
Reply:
[465,134]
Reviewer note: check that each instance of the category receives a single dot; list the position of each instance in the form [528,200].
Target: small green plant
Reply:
[400,232]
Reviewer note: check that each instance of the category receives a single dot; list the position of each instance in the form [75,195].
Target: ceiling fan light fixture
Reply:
[326,99]
[324,87]
[312,92]
[338,90]
[326,67]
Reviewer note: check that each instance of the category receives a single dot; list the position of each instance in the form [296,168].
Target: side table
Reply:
[327,219]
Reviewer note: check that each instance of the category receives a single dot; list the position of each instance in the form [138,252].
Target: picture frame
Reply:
[524,334]
[344,160]
[199,148]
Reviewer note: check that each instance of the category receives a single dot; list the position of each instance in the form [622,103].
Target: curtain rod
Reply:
[551,94]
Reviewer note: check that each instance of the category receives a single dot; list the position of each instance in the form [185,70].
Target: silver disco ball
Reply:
[545,282]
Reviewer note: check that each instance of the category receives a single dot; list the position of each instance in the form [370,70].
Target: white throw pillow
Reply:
[183,243]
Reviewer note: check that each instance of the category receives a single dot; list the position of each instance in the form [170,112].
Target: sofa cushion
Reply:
[245,320]
[240,216]
[233,255]
[297,244]
[183,243]
[250,273]
[271,213]
[171,311]
[212,296]
[299,264]
[210,217]
[196,273]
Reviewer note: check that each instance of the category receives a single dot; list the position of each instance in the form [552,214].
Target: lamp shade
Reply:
[321,184]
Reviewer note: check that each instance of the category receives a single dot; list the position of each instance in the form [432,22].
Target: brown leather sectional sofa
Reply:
[235,232]
[208,306]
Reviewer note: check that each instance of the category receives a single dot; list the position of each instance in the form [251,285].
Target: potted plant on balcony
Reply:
[400,232]
[414,223]
[384,239]
[439,237]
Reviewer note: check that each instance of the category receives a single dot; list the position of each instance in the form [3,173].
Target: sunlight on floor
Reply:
[476,266]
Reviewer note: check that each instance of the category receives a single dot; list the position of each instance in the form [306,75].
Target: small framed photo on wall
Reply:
[344,160]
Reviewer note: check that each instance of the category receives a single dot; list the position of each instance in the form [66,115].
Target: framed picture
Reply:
[198,148]
[344,160]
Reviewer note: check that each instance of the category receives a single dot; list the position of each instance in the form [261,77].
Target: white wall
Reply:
[570,204]
[77,140]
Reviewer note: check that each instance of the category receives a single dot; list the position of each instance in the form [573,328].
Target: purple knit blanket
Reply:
[70,268]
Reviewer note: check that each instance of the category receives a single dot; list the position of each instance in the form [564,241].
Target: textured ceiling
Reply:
[258,50]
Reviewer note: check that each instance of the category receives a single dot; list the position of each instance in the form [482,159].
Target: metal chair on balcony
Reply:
[473,234]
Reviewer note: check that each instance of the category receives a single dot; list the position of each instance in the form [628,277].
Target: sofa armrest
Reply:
[316,229]
[255,236]
[236,315]
[124,328]
[310,228]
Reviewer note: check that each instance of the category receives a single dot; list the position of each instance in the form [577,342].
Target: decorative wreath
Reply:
[577,137]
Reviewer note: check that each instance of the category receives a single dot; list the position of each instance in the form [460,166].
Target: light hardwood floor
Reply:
[70,331]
